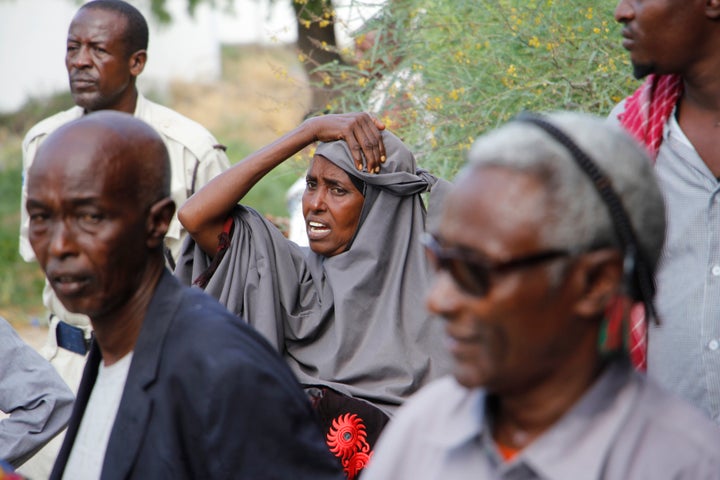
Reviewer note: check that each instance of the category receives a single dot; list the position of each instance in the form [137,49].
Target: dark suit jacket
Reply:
[206,397]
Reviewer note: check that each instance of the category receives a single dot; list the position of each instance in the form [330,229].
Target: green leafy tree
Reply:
[451,69]
[466,66]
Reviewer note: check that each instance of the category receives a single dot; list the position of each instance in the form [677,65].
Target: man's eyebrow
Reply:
[75,202]
[82,201]
[96,42]
[34,203]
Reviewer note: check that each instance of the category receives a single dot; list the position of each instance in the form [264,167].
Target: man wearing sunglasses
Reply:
[554,219]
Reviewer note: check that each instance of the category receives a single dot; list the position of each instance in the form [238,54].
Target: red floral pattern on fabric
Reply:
[347,439]
[646,112]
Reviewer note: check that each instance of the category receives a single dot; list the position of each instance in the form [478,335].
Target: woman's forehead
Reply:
[321,167]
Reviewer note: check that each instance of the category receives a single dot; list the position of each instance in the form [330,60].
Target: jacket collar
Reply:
[136,405]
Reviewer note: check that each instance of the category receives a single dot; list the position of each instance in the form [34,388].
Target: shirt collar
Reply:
[575,447]
[466,421]
[672,130]
[140,106]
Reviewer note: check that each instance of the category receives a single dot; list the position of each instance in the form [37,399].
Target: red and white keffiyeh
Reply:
[646,112]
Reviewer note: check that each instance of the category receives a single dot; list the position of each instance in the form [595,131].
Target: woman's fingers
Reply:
[361,131]
[371,139]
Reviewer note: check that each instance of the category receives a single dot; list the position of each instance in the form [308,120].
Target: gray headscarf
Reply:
[355,322]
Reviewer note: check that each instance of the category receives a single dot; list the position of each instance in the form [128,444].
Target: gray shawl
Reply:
[355,322]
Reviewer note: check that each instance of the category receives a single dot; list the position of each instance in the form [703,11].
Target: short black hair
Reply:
[136,29]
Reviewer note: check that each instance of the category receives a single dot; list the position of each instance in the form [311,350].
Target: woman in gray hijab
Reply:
[348,314]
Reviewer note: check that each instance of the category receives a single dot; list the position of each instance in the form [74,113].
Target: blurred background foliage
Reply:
[449,70]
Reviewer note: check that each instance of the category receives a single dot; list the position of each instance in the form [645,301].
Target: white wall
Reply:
[33,34]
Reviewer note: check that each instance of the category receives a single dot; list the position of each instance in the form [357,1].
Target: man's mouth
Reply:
[82,82]
[628,40]
[69,285]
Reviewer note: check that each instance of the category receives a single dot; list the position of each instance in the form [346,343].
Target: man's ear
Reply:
[137,62]
[158,221]
[712,9]
[602,276]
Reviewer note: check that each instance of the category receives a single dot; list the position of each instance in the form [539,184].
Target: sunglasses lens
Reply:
[472,278]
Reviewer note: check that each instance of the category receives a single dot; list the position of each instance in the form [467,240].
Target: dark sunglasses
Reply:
[471,271]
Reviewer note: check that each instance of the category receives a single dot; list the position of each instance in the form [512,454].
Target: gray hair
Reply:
[581,217]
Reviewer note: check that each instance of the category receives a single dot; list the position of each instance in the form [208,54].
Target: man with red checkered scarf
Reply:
[676,114]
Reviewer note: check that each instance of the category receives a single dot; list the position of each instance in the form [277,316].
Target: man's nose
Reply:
[79,57]
[443,297]
[61,240]
[623,11]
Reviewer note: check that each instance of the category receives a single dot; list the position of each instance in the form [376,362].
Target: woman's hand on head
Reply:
[361,131]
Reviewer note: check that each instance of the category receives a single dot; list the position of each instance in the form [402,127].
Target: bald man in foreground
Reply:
[175,386]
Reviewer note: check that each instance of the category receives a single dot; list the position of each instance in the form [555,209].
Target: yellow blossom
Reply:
[434,103]
[455,93]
